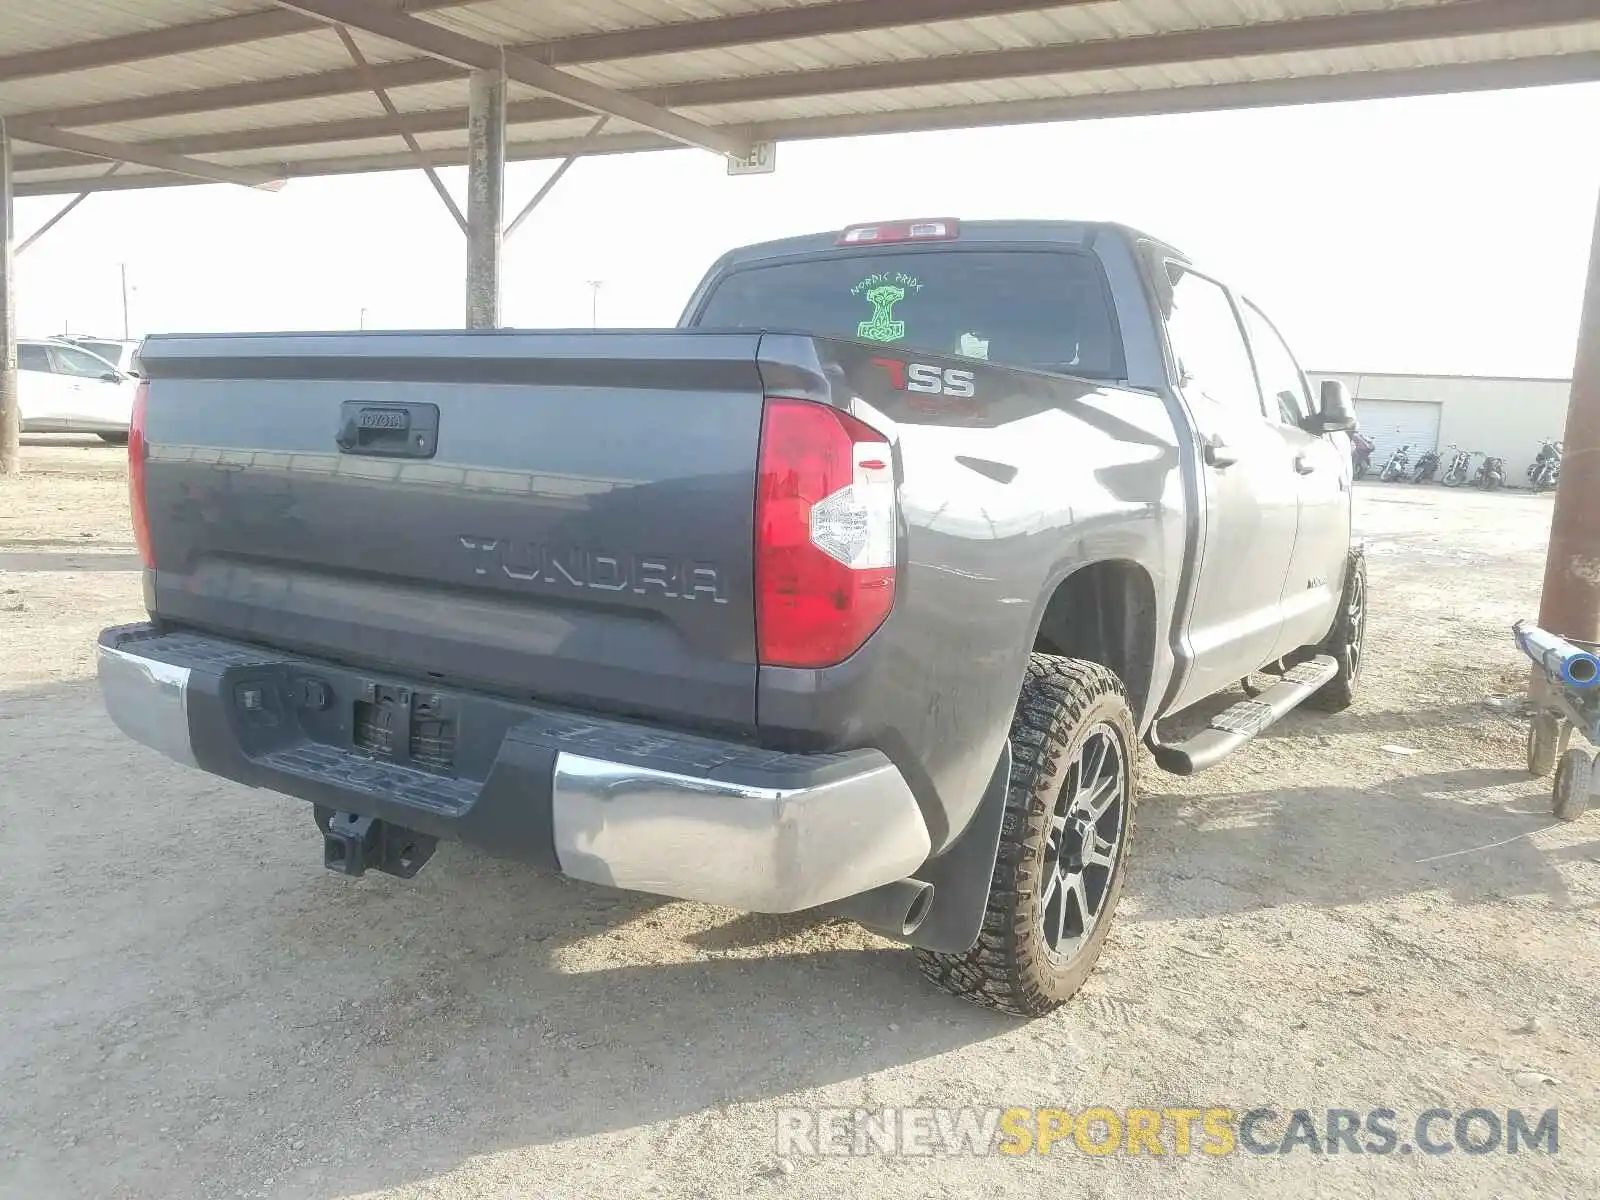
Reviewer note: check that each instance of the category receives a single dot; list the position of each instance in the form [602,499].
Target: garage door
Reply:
[1394,423]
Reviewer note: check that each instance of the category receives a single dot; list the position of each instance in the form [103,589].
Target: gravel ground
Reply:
[194,1007]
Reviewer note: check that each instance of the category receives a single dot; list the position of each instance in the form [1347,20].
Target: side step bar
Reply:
[1236,727]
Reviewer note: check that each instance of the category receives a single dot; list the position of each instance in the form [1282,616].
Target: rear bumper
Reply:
[625,805]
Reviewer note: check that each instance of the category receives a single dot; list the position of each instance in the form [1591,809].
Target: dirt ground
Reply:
[194,1007]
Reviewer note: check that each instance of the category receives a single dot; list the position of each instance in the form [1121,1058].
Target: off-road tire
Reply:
[1011,968]
[1346,641]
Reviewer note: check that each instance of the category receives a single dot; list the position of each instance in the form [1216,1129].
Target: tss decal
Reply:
[929,379]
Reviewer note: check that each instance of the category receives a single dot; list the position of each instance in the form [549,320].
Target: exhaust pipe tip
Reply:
[895,910]
[921,906]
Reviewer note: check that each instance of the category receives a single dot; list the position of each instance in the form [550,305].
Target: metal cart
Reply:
[1571,701]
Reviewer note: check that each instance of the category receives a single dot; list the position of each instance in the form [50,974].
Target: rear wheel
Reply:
[1063,843]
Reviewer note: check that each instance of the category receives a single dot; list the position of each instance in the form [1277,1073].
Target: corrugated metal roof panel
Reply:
[509,22]
[262,117]
[298,54]
[1078,23]
[46,25]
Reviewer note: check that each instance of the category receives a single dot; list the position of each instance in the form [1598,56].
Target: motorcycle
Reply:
[1545,471]
[1427,468]
[1361,449]
[1395,469]
[1460,468]
[1491,475]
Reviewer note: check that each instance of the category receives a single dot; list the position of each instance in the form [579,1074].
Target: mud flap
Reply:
[961,875]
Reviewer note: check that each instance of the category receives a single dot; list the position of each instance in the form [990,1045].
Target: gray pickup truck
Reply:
[857,592]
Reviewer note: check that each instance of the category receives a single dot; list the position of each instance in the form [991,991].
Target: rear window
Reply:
[110,351]
[1047,310]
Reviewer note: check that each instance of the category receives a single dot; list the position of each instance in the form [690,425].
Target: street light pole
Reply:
[594,302]
[125,326]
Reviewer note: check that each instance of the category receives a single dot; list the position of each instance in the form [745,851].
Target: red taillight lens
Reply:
[136,456]
[825,535]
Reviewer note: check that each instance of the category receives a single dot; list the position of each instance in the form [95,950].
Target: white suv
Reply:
[63,388]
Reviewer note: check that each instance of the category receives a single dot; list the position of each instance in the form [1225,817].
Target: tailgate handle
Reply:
[388,430]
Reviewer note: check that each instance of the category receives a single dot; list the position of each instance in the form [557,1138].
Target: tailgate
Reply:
[563,517]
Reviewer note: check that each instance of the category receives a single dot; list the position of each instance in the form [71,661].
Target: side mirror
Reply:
[1338,411]
[112,377]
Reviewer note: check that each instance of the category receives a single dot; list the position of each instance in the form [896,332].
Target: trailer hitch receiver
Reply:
[352,845]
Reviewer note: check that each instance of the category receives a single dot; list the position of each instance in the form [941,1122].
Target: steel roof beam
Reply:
[61,212]
[1465,18]
[451,47]
[1363,85]
[400,124]
[1361,29]
[555,177]
[144,156]
[711,33]
[176,39]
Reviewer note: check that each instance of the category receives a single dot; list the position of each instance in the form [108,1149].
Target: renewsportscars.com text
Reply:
[1179,1131]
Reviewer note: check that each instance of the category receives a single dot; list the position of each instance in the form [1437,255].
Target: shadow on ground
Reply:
[1332,846]
[279,1010]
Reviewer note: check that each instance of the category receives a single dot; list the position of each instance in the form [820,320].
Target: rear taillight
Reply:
[136,496]
[825,534]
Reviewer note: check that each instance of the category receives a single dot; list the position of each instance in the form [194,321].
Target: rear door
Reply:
[1322,463]
[88,397]
[1251,490]
[42,394]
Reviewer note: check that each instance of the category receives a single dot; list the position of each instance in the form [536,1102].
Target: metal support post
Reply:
[1570,607]
[10,411]
[486,180]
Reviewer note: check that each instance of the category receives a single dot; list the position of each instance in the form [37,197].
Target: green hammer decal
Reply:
[883,327]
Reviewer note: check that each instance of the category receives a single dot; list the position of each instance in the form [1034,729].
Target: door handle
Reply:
[1304,463]
[1219,454]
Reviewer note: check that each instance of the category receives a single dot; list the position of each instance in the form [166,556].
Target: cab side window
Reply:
[1208,345]
[1282,382]
[78,363]
[32,358]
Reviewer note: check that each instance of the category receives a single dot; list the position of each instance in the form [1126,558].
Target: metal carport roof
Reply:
[252,92]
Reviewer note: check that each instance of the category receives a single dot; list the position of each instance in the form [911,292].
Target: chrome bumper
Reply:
[148,700]
[755,848]
[796,840]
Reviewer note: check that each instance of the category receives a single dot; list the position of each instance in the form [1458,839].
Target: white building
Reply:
[1505,417]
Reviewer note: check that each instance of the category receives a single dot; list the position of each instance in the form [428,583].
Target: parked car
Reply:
[869,615]
[119,352]
[63,388]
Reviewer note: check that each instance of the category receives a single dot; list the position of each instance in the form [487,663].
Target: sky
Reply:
[1434,235]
